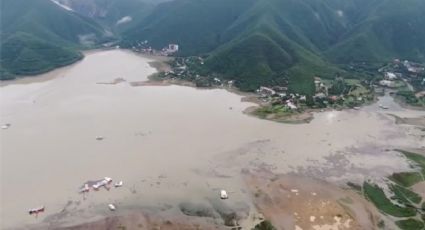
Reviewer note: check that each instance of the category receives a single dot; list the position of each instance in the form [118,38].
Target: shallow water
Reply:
[167,143]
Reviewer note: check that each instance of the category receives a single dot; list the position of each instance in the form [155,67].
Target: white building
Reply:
[387,83]
[173,48]
[390,76]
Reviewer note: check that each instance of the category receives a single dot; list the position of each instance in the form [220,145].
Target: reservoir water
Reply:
[166,143]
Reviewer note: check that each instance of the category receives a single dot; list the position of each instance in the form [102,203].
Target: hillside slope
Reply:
[43,37]
[253,42]
[116,15]
[265,41]
[391,29]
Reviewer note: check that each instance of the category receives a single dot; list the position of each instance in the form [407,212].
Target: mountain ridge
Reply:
[255,42]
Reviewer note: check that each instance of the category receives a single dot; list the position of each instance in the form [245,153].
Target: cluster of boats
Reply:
[104,183]
[101,183]
[85,189]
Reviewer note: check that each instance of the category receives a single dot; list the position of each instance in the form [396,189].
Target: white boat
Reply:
[118,184]
[112,207]
[5,126]
[96,186]
[223,195]
[104,182]
[99,138]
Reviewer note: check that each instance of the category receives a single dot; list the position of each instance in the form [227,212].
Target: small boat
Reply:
[36,210]
[5,126]
[112,207]
[118,184]
[107,180]
[104,182]
[356,108]
[223,195]
[99,138]
[85,189]
[96,186]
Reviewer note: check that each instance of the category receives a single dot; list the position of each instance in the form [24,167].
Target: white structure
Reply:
[387,83]
[265,91]
[118,184]
[112,207]
[173,48]
[223,195]
[101,183]
[390,76]
[290,104]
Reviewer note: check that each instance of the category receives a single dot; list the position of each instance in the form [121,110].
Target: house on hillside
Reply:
[390,76]
[387,83]
[265,91]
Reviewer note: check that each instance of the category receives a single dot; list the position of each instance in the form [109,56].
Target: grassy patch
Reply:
[416,158]
[277,110]
[375,194]
[406,179]
[410,224]
[265,225]
[405,195]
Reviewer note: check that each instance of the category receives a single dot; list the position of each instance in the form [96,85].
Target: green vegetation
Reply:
[384,33]
[404,195]
[23,54]
[415,158]
[254,42]
[410,224]
[404,202]
[409,97]
[265,225]
[110,12]
[276,110]
[377,196]
[262,42]
[37,36]
[406,179]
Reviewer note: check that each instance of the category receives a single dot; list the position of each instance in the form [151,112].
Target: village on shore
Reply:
[405,80]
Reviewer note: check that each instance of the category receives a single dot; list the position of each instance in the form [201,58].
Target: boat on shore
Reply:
[35,211]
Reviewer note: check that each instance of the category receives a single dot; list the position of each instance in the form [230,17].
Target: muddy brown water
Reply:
[168,144]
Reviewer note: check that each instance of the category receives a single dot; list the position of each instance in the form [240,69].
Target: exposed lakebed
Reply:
[169,144]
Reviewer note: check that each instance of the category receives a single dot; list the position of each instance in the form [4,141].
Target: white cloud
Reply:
[124,20]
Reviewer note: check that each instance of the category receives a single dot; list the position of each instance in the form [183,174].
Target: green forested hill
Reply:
[260,41]
[254,42]
[38,35]
[25,54]
[117,15]
[391,29]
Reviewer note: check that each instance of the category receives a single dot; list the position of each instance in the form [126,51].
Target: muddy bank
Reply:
[416,121]
[287,201]
[298,202]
